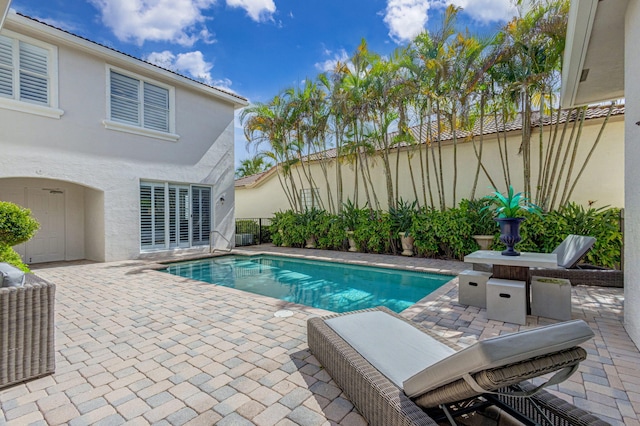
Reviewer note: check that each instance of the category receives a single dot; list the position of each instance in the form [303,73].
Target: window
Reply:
[309,198]
[27,76]
[135,103]
[174,215]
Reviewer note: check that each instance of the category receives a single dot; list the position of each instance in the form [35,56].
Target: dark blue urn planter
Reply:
[510,233]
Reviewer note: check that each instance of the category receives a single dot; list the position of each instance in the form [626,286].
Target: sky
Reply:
[256,48]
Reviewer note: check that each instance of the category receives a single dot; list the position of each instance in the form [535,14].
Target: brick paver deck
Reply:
[138,346]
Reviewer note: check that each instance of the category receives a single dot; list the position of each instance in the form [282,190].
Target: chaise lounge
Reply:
[398,373]
[570,252]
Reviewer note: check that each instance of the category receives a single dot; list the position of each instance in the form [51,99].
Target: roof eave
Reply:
[593,64]
[4,9]
[581,16]
[117,57]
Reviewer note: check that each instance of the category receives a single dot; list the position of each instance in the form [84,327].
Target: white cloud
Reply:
[487,11]
[175,21]
[406,18]
[191,64]
[258,10]
[330,64]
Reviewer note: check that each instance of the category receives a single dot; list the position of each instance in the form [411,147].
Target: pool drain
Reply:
[283,314]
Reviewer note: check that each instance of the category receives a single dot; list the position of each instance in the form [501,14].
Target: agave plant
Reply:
[511,205]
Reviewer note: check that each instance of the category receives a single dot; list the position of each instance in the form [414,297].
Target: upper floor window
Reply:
[27,75]
[140,103]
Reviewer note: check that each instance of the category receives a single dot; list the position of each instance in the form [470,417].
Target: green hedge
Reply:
[16,227]
[449,234]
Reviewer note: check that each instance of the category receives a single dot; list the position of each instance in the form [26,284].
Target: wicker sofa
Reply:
[384,403]
[27,332]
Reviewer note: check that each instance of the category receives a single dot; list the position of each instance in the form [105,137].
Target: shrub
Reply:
[16,224]
[373,236]
[10,256]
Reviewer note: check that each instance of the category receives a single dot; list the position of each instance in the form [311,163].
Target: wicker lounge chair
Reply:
[570,252]
[26,331]
[397,373]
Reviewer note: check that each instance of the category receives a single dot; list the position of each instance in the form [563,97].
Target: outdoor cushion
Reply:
[499,351]
[397,349]
[572,249]
[10,276]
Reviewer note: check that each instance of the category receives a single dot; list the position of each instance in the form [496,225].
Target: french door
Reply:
[174,215]
[201,214]
[179,216]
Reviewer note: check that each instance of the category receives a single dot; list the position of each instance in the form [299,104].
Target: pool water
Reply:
[336,287]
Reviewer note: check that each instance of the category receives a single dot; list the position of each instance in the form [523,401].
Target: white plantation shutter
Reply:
[34,74]
[25,71]
[137,102]
[125,105]
[152,216]
[156,107]
[201,212]
[6,67]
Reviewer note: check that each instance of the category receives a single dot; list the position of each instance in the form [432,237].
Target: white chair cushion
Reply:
[396,349]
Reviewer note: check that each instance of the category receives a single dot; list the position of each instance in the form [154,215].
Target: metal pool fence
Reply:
[252,231]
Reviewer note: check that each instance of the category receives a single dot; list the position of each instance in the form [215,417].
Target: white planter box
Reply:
[472,288]
[551,298]
[507,301]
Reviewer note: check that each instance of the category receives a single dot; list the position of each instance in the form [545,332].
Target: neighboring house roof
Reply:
[489,128]
[250,180]
[102,50]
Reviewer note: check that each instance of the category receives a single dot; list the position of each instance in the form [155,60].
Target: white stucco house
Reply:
[114,156]
[602,60]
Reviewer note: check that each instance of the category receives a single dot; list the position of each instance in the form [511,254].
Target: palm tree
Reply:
[252,166]
[271,124]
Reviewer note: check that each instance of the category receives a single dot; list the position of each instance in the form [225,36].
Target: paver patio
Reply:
[138,346]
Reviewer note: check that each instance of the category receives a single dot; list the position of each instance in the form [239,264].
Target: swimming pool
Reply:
[336,287]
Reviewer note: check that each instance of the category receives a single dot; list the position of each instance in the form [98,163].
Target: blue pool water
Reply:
[335,287]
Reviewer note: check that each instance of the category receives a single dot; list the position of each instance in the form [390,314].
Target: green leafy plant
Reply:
[16,224]
[16,227]
[402,217]
[512,205]
[352,216]
[480,217]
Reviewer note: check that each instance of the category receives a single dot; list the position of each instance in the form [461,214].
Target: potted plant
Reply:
[401,221]
[508,210]
[351,217]
[483,227]
[310,225]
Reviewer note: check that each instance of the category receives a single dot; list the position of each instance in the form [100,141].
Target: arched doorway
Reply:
[71,218]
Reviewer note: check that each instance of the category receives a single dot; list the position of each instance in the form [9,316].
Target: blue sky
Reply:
[256,48]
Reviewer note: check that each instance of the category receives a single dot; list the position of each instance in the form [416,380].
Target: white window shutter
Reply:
[125,105]
[156,108]
[34,74]
[6,67]
[146,217]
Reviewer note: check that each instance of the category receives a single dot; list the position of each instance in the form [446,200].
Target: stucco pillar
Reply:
[632,173]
